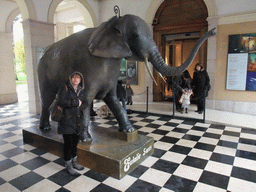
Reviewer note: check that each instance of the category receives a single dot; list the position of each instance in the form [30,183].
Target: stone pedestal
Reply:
[106,154]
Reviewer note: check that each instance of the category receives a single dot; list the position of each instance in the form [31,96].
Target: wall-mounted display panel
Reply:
[241,68]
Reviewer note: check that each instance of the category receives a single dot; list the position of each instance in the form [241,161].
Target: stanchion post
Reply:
[147,102]
[173,92]
[204,105]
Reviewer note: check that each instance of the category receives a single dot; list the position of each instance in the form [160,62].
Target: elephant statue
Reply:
[97,54]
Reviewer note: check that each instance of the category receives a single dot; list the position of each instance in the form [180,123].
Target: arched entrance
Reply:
[85,9]
[70,17]
[177,26]
[8,92]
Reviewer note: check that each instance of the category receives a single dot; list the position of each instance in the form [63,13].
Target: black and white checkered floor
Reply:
[189,156]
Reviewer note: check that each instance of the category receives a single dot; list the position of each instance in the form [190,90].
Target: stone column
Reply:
[37,36]
[8,92]
[211,61]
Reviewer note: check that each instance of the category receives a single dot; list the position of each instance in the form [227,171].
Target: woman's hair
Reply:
[198,64]
[74,74]
[186,74]
[120,82]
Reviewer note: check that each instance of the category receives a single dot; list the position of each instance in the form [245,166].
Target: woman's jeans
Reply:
[123,103]
[70,146]
[129,99]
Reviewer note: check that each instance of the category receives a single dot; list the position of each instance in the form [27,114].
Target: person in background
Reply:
[121,93]
[180,83]
[129,94]
[186,81]
[201,86]
[185,99]
[71,98]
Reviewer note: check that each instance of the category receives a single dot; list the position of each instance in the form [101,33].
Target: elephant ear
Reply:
[108,41]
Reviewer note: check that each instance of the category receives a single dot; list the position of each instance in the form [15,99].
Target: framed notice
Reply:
[241,68]
[237,71]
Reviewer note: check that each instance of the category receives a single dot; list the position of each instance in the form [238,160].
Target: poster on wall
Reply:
[251,73]
[129,72]
[132,72]
[241,68]
[122,75]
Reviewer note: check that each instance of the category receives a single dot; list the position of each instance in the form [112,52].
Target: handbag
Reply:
[56,111]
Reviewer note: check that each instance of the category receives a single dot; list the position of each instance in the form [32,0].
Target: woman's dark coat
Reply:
[200,83]
[120,90]
[72,113]
[129,92]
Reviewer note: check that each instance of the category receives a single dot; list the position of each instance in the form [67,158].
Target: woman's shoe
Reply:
[70,169]
[76,165]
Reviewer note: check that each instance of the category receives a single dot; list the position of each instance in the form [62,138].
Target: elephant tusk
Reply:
[147,65]
[150,73]
[161,77]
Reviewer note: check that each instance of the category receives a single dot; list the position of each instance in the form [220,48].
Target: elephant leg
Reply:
[47,98]
[119,112]
[44,119]
[84,135]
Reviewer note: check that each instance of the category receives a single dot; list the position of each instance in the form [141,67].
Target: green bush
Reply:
[21,78]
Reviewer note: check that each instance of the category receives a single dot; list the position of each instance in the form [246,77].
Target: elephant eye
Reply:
[135,35]
[118,31]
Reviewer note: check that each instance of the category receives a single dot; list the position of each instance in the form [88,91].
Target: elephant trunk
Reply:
[157,61]
[159,64]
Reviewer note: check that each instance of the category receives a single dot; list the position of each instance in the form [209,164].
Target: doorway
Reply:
[20,60]
[177,49]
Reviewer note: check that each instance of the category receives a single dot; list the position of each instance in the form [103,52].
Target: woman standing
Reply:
[129,94]
[121,93]
[73,102]
[200,83]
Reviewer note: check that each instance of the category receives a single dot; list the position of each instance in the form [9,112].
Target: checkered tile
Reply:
[188,156]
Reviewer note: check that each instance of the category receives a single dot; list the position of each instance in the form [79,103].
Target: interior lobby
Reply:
[213,151]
